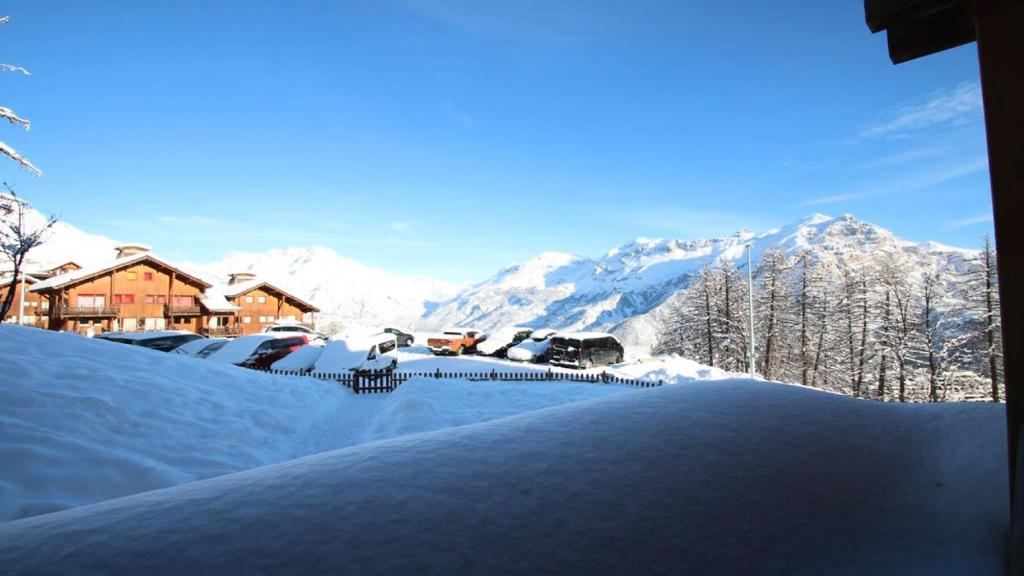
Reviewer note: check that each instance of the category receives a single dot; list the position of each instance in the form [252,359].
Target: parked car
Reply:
[239,350]
[455,342]
[163,340]
[404,339]
[200,348]
[315,338]
[498,343]
[357,355]
[585,349]
[533,349]
[274,350]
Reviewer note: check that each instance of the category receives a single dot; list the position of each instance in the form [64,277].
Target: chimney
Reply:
[125,250]
[239,277]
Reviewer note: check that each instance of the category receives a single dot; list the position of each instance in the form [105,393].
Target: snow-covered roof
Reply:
[215,301]
[240,288]
[81,274]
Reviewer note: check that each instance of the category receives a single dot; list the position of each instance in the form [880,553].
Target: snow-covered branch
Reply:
[14,155]
[13,68]
[10,116]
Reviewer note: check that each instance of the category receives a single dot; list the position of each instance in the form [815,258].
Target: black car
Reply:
[585,350]
[403,338]
[162,341]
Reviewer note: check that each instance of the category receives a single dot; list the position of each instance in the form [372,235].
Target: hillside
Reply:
[624,290]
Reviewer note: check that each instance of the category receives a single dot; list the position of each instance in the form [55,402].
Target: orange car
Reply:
[455,342]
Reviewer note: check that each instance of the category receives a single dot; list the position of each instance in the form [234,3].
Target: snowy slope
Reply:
[64,242]
[623,289]
[345,290]
[726,477]
[86,420]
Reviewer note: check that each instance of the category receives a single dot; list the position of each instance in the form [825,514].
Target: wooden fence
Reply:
[379,381]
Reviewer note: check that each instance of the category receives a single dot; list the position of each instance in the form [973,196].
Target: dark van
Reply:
[585,350]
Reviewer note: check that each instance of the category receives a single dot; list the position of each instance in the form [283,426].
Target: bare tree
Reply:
[16,241]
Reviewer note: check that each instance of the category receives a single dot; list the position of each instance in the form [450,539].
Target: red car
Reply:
[273,350]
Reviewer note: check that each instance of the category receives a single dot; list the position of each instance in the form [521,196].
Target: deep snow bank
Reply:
[720,477]
[85,420]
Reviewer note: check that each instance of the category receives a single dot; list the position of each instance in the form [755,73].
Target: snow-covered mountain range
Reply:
[624,291]
[346,291]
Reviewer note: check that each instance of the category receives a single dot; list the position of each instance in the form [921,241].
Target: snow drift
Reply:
[731,476]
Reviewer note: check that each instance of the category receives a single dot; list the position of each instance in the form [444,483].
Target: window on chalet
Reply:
[90,301]
[248,299]
[124,298]
[132,275]
[183,301]
[147,276]
[262,299]
[246,319]
[156,299]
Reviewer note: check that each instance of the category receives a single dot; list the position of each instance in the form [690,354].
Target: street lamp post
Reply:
[750,309]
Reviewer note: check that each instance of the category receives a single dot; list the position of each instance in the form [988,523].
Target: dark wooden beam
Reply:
[917,28]
[1000,32]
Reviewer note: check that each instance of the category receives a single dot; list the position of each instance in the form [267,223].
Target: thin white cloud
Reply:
[950,107]
[969,221]
[191,220]
[913,183]
[400,226]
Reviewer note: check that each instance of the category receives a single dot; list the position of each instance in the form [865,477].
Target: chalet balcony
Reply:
[87,311]
[222,331]
[173,310]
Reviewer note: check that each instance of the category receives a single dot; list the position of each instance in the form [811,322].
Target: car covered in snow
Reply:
[498,342]
[585,349]
[358,354]
[315,338]
[404,339]
[257,350]
[201,347]
[455,341]
[162,340]
[533,349]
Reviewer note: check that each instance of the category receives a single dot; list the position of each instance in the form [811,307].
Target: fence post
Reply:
[437,374]
[355,382]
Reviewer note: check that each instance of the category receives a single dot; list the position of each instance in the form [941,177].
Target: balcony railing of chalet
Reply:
[214,331]
[87,311]
[175,310]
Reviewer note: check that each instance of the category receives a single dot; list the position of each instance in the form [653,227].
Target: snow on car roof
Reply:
[348,353]
[142,335]
[241,348]
[583,335]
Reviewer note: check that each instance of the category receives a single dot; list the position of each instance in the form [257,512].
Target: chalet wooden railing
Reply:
[174,310]
[87,311]
[214,331]
[377,381]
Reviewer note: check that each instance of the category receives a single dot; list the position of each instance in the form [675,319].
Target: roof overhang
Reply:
[917,28]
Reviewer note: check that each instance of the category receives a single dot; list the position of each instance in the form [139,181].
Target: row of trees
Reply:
[885,327]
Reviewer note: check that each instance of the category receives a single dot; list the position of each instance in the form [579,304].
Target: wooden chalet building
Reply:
[245,305]
[31,307]
[135,291]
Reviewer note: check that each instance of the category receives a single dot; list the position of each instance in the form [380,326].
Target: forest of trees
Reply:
[887,328]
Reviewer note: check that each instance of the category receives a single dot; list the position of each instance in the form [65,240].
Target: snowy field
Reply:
[718,474]
[86,420]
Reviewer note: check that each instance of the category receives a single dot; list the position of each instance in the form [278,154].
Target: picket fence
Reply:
[382,381]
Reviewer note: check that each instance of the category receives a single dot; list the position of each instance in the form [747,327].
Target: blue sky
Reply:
[452,137]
